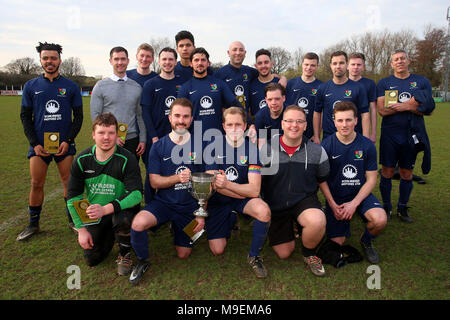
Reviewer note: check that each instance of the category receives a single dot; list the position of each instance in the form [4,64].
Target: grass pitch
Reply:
[414,257]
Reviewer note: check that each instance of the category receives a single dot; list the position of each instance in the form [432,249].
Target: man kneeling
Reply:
[111,177]
[353,175]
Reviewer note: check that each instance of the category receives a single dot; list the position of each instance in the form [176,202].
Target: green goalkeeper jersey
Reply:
[116,181]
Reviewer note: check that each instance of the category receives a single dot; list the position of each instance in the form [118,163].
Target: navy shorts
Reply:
[396,150]
[221,218]
[341,228]
[179,215]
[71,152]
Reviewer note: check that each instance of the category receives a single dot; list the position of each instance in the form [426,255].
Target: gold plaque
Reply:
[123,128]
[81,206]
[51,142]
[189,230]
[241,99]
[390,97]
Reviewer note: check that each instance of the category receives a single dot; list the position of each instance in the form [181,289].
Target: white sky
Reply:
[88,29]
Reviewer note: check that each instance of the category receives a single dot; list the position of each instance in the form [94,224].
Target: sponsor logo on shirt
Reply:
[262,103]
[302,102]
[404,96]
[239,90]
[181,186]
[206,102]
[52,107]
[169,101]
[349,171]
[232,174]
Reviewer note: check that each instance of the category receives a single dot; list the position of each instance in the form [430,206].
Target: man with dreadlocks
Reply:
[52,111]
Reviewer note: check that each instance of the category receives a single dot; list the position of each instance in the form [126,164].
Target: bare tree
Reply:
[297,58]
[71,67]
[158,44]
[25,65]
[428,57]
[281,59]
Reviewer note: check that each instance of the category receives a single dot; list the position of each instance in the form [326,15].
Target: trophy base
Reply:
[200,212]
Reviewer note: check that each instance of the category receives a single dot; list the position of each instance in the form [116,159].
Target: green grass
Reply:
[414,257]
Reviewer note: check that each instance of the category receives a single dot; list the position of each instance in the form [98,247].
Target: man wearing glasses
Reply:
[302,164]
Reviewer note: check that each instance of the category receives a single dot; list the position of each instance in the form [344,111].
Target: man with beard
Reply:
[339,88]
[209,95]
[257,95]
[171,161]
[48,104]
[110,176]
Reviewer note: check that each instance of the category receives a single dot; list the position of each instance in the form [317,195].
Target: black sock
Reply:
[308,252]
[35,214]
[69,217]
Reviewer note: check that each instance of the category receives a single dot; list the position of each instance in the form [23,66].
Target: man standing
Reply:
[403,132]
[184,41]
[269,119]
[238,185]
[157,97]
[208,94]
[144,57]
[264,66]
[340,88]
[356,66]
[172,159]
[110,176]
[236,75]
[121,96]
[291,192]
[302,91]
[48,104]
[353,176]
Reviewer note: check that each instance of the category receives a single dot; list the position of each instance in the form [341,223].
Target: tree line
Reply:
[427,54]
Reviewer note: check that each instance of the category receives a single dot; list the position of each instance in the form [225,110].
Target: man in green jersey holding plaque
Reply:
[110,176]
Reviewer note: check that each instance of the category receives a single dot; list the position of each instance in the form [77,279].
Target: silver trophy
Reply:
[201,189]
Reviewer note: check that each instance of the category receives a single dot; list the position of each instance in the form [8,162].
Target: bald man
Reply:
[238,77]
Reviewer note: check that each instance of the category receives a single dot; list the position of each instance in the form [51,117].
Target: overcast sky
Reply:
[88,29]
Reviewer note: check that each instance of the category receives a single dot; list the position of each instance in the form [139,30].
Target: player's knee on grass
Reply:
[217,246]
[284,250]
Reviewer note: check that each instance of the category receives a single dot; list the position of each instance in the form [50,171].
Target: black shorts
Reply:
[281,228]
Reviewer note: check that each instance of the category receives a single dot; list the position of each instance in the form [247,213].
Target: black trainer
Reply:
[138,271]
[29,231]
[388,212]
[370,252]
[402,213]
